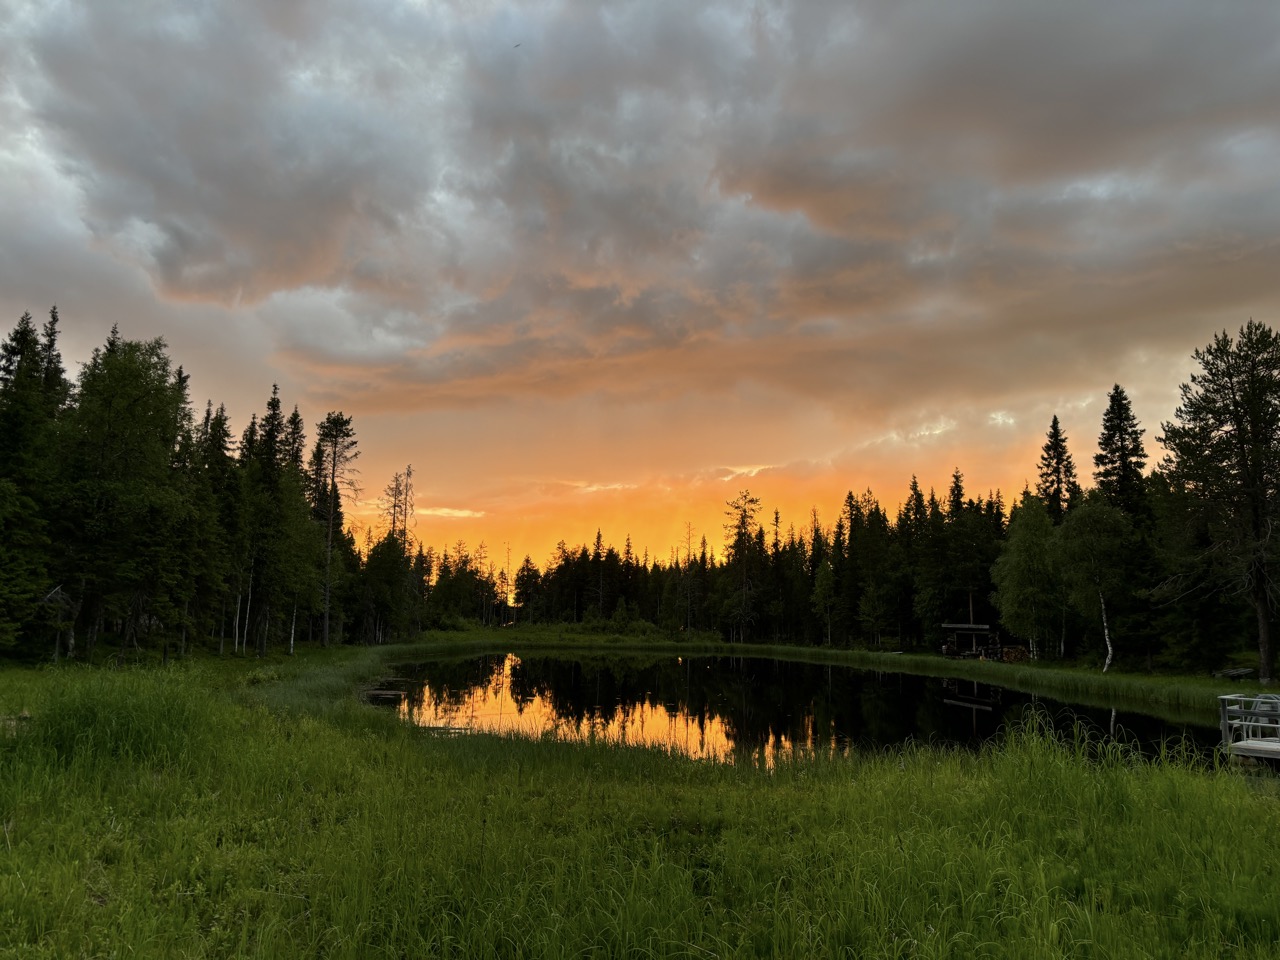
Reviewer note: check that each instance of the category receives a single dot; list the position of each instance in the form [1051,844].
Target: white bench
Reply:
[1251,725]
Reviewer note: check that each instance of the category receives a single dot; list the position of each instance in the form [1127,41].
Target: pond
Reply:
[733,708]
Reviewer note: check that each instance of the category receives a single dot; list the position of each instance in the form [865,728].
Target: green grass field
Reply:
[258,808]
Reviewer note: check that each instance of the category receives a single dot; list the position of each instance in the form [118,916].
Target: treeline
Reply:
[124,516]
[1172,567]
[1066,572]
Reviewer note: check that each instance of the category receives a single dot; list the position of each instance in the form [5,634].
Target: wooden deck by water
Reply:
[1251,725]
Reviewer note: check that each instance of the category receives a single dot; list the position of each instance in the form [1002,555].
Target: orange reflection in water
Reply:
[492,709]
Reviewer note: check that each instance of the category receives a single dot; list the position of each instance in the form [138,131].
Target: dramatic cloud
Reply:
[600,264]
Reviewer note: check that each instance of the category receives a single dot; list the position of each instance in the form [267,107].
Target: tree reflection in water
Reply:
[730,708]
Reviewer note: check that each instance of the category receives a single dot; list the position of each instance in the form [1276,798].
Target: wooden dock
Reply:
[1251,725]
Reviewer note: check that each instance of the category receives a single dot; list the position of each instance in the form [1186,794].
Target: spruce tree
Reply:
[122,508]
[271,450]
[851,568]
[880,596]
[1057,487]
[218,504]
[22,573]
[931,572]
[20,356]
[1120,458]
[57,390]
[1224,451]
[972,543]
[282,541]
[33,393]
[295,441]
[23,435]
[336,446]
[740,538]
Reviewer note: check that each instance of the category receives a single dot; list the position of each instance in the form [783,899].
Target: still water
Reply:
[734,708]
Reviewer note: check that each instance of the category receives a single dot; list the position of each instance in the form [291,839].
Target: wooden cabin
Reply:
[971,640]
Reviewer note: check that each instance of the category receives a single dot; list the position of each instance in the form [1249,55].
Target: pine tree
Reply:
[824,594]
[879,599]
[1224,450]
[740,540]
[119,524]
[931,570]
[1057,487]
[280,537]
[972,543]
[218,492]
[248,441]
[20,354]
[851,572]
[295,441]
[910,535]
[271,450]
[1120,458]
[22,573]
[528,584]
[33,393]
[57,390]
[336,444]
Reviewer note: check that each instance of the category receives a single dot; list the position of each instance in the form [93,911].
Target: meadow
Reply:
[245,807]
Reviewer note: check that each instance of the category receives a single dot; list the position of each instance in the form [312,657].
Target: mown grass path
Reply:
[241,808]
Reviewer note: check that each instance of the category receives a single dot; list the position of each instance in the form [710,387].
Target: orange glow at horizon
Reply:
[665,515]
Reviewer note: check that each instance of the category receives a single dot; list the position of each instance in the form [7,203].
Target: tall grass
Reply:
[270,814]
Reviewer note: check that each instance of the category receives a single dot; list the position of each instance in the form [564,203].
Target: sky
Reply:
[603,265]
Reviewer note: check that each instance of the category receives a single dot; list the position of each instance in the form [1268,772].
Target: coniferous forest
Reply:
[131,520]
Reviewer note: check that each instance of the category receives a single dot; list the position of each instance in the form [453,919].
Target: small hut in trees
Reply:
[970,640]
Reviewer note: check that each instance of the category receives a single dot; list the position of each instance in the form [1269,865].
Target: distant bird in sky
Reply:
[516,46]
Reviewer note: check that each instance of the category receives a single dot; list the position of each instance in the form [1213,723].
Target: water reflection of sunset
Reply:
[757,710]
[493,708]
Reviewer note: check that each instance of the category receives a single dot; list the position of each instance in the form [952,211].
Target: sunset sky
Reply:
[602,265]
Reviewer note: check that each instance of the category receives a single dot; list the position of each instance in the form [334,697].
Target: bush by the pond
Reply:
[201,823]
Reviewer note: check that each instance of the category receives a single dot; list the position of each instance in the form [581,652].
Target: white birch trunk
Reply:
[1106,632]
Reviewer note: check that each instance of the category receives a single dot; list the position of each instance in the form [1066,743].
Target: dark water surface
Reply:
[728,708]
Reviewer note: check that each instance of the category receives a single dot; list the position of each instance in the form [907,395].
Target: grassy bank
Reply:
[1171,697]
[243,808]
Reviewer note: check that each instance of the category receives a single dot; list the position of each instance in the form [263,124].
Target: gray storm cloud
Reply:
[865,205]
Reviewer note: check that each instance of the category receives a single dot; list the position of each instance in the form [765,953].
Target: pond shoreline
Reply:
[732,707]
[1173,698]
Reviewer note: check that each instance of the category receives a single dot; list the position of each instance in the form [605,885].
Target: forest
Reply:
[129,522]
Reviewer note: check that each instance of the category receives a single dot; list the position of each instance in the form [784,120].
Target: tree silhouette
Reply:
[1057,487]
[1120,458]
[1224,450]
